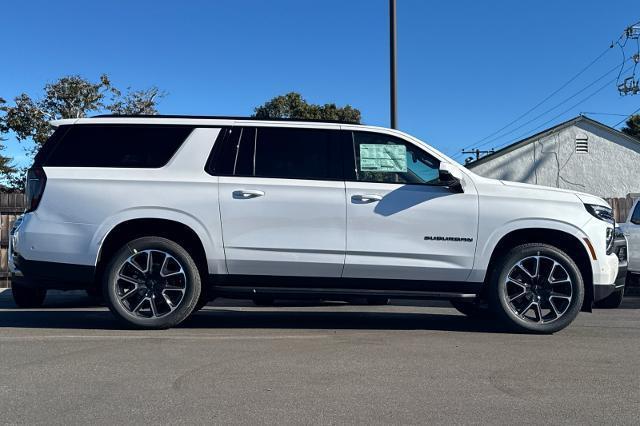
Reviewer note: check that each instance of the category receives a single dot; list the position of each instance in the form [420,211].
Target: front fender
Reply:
[487,246]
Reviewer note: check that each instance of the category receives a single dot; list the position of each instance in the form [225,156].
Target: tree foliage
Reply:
[69,97]
[633,126]
[293,105]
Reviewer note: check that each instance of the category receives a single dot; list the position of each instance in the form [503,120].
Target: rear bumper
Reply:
[50,275]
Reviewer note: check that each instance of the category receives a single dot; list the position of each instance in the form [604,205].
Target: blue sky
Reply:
[465,68]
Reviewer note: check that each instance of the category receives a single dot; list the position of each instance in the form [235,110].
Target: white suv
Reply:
[165,213]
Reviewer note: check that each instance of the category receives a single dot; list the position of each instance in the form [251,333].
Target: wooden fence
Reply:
[622,206]
[12,205]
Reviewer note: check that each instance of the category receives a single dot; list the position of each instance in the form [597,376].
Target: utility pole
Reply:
[392,60]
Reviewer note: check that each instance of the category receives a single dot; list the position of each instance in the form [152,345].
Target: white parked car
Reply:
[631,229]
[164,213]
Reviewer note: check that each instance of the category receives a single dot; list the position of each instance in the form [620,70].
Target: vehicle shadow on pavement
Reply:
[223,318]
[336,320]
[80,312]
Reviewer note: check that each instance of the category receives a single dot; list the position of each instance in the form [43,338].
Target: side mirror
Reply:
[447,176]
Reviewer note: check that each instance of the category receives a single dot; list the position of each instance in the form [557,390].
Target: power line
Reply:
[552,108]
[559,115]
[571,80]
[626,118]
[602,113]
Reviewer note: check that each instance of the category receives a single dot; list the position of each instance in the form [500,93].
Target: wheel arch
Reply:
[129,229]
[569,243]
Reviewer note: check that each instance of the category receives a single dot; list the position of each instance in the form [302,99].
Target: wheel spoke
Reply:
[163,269]
[512,298]
[553,307]
[132,263]
[154,308]
[559,296]
[525,310]
[523,269]
[519,284]
[172,287]
[129,293]
[139,305]
[169,302]
[538,312]
[553,268]
[128,279]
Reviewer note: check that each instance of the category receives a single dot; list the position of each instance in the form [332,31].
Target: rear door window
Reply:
[287,153]
[126,146]
[296,154]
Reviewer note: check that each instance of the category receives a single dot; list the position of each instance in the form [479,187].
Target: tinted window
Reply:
[296,154]
[222,155]
[243,162]
[136,146]
[387,159]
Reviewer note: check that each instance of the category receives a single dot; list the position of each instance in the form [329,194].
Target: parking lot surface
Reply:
[412,363]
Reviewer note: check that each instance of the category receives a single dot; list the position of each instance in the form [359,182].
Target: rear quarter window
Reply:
[132,146]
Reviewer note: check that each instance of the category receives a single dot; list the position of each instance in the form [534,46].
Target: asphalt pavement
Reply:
[299,363]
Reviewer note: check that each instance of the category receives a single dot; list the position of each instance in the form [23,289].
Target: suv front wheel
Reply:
[536,288]
[152,283]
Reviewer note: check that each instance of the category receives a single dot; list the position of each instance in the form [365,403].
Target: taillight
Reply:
[34,187]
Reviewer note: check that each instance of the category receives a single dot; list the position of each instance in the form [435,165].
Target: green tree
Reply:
[68,97]
[6,166]
[633,126]
[293,105]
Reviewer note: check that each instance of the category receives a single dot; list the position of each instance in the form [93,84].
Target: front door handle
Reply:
[245,194]
[365,198]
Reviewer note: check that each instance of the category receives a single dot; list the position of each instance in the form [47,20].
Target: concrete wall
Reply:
[610,169]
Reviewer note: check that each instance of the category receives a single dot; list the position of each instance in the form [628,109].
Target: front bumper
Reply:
[620,249]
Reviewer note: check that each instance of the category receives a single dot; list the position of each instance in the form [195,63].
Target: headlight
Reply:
[601,212]
[610,236]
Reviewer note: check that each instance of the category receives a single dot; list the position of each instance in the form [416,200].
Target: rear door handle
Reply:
[245,194]
[366,198]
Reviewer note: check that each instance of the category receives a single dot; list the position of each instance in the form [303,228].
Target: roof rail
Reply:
[220,117]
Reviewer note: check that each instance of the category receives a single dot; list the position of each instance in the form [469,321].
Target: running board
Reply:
[329,293]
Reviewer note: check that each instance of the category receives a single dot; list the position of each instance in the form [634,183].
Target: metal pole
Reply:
[392,71]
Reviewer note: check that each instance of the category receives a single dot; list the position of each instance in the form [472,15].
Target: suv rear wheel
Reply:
[152,283]
[536,288]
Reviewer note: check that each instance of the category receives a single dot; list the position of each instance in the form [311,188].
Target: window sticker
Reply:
[383,158]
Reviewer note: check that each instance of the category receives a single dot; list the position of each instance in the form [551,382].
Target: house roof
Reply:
[547,132]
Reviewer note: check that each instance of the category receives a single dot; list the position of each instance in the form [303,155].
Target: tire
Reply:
[202,302]
[471,308]
[151,283]
[26,297]
[536,299]
[612,301]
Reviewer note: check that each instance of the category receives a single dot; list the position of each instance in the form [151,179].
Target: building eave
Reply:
[545,133]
